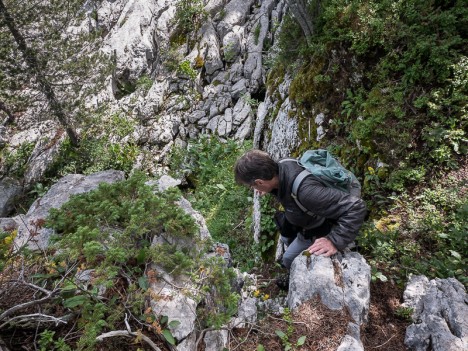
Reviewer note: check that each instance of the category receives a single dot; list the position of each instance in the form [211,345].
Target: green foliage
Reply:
[66,60]
[117,230]
[14,162]
[378,95]
[6,247]
[113,223]
[424,236]
[404,313]
[208,164]
[105,144]
[220,301]
[268,232]
[185,68]
[48,343]
[286,336]
[189,15]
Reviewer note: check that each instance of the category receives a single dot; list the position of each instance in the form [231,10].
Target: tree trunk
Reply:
[10,117]
[33,64]
[304,18]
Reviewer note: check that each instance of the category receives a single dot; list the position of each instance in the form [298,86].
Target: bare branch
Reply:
[128,334]
[33,286]
[21,306]
[39,317]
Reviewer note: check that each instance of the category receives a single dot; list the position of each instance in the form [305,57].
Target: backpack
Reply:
[323,166]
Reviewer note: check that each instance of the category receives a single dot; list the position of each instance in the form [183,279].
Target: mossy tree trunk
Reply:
[36,71]
[301,10]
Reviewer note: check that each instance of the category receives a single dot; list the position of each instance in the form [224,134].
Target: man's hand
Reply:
[322,246]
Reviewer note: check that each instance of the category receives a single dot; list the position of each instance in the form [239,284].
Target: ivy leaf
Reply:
[381,277]
[221,186]
[168,336]
[174,324]
[143,283]
[164,320]
[301,340]
[455,254]
[260,348]
[75,301]
[280,334]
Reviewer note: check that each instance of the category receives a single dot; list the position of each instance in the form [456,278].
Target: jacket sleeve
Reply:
[348,211]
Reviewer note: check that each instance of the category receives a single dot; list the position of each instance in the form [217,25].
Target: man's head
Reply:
[258,170]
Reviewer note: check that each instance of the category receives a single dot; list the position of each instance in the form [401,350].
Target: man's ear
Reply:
[258,182]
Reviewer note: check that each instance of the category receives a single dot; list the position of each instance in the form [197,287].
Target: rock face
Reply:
[218,92]
[341,282]
[440,314]
[9,189]
[31,232]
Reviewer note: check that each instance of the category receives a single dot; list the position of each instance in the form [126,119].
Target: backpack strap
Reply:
[297,182]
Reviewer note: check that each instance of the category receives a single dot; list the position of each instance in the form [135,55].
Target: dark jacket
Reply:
[347,212]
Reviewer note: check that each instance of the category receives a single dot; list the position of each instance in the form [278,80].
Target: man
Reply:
[336,218]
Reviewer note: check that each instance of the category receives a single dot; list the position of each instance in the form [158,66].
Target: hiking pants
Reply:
[294,249]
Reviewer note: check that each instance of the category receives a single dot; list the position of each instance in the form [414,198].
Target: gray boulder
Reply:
[340,282]
[284,133]
[440,314]
[352,339]
[216,340]
[31,232]
[9,189]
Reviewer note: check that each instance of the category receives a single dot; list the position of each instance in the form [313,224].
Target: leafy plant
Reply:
[208,165]
[14,162]
[285,336]
[404,313]
[185,68]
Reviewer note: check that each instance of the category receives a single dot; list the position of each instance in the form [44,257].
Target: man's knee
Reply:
[286,240]
[287,261]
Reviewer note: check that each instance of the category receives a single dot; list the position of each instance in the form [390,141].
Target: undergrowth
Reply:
[110,247]
[208,164]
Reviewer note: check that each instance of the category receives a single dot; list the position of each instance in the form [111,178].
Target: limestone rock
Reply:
[131,39]
[31,231]
[352,339]
[9,189]
[247,313]
[236,12]
[44,153]
[284,133]
[216,340]
[213,60]
[440,314]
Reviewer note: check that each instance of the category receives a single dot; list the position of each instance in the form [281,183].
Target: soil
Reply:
[323,328]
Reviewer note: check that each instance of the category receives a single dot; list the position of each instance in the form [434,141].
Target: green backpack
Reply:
[322,165]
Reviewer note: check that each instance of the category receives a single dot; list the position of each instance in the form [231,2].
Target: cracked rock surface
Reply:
[440,314]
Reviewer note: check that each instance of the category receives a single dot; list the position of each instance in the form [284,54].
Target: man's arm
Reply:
[348,212]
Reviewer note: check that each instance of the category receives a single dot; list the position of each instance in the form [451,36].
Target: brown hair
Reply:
[255,164]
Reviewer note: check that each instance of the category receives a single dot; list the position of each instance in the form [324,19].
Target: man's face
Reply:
[263,186]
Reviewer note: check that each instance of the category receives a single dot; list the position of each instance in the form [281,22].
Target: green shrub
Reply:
[14,162]
[423,234]
[208,165]
[111,230]
[105,144]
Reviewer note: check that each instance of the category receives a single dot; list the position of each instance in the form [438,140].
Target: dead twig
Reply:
[39,317]
[128,333]
[376,347]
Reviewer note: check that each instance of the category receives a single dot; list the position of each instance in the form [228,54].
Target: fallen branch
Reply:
[42,318]
[24,305]
[376,347]
[128,334]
